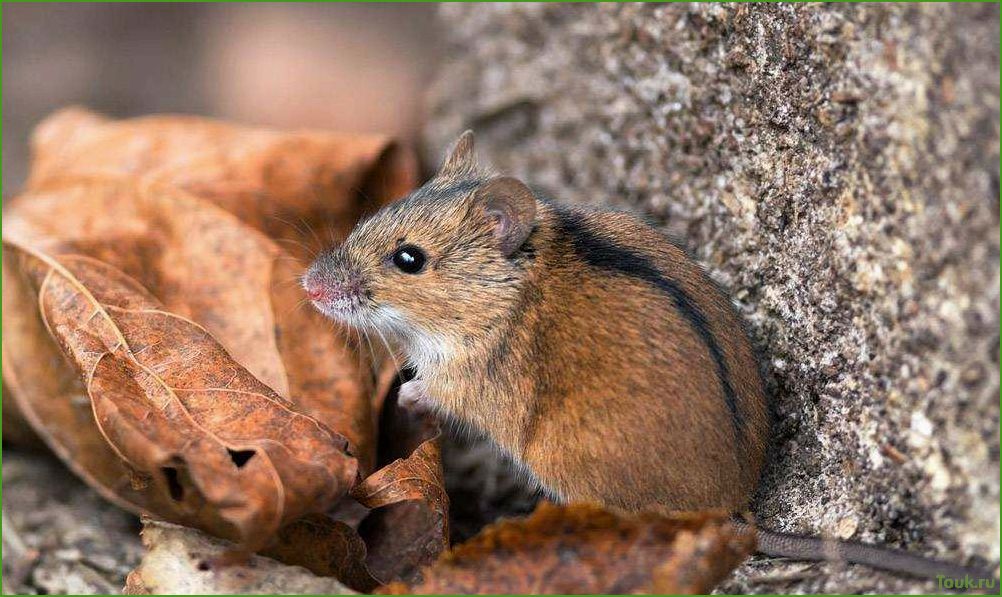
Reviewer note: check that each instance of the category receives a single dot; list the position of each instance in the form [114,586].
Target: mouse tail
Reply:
[801,547]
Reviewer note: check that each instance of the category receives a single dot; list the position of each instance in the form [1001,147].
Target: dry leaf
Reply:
[178,563]
[154,331]
[303,187]
[199,440]
[585,549]
[326,547]
[206,265]
[299,188]
[407,527]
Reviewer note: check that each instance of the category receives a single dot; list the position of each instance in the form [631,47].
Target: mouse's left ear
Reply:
[461,161]
[512,207]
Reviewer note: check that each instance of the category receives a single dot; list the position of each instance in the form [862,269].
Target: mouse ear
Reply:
[512,206]
[461,160]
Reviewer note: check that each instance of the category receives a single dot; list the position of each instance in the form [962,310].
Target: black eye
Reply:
[409,259]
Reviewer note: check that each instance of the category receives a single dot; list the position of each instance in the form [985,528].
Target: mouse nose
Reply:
[315,289]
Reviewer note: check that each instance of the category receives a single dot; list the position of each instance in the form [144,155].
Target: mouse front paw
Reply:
[414,395]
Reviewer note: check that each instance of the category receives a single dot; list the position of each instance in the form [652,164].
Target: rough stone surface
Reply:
[183,561]
[59,536]
[836,168]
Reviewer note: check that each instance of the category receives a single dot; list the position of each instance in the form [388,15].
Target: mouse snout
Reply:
[315,289]
[331,294]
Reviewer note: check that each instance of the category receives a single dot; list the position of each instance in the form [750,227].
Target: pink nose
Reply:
[316,290]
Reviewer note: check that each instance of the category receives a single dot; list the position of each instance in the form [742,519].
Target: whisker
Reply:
[303,231]
[292,225]
[311,251]
[286,253]
[360,355]
[353,344]
[366,336]
[299,305]
[396,363]
[290,280]
[312,232]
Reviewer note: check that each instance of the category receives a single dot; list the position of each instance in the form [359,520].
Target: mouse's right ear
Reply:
[461,161]
[512,207]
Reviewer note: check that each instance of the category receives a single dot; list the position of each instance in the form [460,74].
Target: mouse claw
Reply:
[414,396]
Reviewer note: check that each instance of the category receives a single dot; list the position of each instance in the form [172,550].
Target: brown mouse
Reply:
[588,347]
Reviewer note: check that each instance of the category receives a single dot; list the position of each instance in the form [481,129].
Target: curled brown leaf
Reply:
[586,549]
[154,334]
[326,547]
[156,383]
[409,524]
[217,221]
[406,525]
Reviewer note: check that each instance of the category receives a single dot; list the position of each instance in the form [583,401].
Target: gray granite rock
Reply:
[836,168]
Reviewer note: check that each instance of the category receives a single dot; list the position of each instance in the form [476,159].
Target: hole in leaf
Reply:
[240,457]
[173,483]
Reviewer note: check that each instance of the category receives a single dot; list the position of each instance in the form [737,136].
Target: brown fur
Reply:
[591,379]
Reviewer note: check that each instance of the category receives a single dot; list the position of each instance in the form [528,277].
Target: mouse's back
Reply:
[647,391]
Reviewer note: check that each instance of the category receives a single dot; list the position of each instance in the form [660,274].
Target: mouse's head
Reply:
[436,269]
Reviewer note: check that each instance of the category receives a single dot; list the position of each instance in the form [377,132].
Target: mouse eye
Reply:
[409,259]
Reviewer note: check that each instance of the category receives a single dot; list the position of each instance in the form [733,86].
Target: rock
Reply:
[835,167]
[59,536]
[183,561]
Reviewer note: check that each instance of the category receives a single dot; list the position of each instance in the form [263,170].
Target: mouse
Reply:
[598,357]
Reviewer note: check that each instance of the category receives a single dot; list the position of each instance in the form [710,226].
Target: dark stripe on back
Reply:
[604,254]
[529,298]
